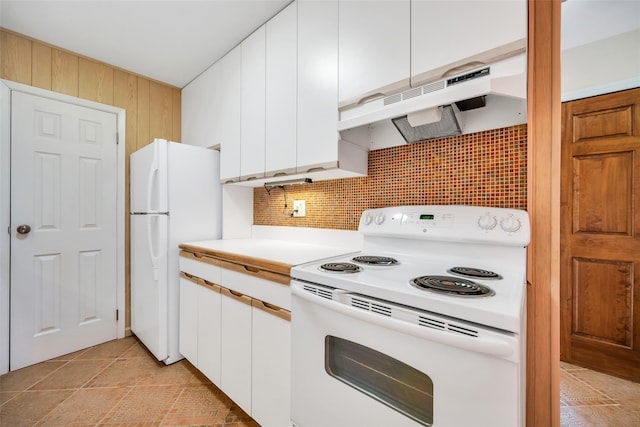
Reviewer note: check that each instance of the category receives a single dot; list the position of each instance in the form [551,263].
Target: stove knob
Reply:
[379,219]
[487,222]
[366,219]
[510,224]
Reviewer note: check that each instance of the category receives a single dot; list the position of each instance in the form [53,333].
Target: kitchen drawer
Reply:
[267,286]
[202,266]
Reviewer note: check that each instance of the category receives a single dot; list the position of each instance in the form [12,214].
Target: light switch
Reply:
[299,208]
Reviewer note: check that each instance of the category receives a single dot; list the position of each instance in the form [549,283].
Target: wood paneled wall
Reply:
[153,109]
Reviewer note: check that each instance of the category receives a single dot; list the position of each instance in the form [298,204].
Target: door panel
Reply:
[63,186]
[600,242]
[149,282]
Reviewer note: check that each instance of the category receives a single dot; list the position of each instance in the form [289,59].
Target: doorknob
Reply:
[23,229]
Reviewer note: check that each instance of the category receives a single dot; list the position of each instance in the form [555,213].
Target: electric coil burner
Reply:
[375,260]
[340,267]
[474,272]
[452,286]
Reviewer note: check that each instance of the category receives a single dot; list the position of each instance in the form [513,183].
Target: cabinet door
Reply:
[235,375]
[188,329]
[317,84]
[252,120]
[271,365]
[374,48]
[227,115]
[280,152]
[449,34]
[198,109]
[209,332]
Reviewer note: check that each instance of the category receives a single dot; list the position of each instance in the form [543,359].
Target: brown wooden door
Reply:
[600,234]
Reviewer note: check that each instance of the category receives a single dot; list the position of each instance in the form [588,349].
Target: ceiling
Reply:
[173,41]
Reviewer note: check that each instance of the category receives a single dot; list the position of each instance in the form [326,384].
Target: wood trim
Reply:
[245,299]
[543,165]
[272,309]
[201,282]
[196,256]
[263,264]
[256,272]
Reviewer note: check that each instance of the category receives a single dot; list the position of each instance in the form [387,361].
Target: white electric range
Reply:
[429,313]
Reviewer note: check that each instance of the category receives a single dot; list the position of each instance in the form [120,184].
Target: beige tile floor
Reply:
[589,398]
[114,384]
[120,384]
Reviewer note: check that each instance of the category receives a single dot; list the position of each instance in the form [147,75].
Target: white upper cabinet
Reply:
[446,35]
[317,83]
[198,109]
[227,115]
[252,105]
[321,153]
[281,70]
[374,48]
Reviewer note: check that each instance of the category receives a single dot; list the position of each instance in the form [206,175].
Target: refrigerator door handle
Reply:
[153,174]
[154,256]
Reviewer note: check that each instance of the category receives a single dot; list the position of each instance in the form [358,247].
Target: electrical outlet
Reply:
[299,208]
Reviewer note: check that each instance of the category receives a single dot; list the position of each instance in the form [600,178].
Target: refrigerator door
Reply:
[149,178]
[149,287]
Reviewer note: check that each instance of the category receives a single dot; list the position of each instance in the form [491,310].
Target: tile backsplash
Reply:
[484,169]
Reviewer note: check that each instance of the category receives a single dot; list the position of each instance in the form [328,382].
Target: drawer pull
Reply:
[251,269]
[236,295]
[272,309]
[211,285]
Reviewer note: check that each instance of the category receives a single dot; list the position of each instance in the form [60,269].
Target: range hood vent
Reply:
[448,124]
[486,97]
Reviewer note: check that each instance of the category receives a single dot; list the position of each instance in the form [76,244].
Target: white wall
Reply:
[603,66]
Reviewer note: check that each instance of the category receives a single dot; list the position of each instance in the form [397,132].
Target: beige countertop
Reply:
[277,256]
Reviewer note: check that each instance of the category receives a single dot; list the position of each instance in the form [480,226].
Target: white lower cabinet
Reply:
[209,331]
[200,325]
[188,341]
[235,375]
[236,335]
[270,365]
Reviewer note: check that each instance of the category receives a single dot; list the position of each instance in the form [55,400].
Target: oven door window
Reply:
[381,377]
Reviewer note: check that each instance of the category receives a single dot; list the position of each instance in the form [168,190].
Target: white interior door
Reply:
[63,228]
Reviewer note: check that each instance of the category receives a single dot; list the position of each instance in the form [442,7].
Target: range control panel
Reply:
[449,223]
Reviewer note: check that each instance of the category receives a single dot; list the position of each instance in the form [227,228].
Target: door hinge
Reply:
[117,315]
[117,138]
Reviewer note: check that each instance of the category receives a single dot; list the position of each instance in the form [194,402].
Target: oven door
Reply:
[359,362]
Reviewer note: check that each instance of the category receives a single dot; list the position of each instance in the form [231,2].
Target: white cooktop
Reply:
[429,240]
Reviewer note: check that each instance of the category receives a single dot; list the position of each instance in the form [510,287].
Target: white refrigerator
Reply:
[175,197]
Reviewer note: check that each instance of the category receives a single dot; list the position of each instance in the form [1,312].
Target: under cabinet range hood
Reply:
[485,96]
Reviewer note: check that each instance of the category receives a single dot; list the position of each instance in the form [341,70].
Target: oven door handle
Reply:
[487,345]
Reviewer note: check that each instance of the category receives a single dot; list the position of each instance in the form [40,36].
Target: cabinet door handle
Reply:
[237,296]
[370,98]
[316,169]
[213,286]
[272,309]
